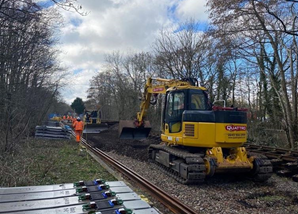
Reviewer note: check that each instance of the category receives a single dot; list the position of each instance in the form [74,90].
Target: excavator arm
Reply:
[139,128]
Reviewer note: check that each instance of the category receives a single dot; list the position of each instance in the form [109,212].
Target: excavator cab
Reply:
[179,101]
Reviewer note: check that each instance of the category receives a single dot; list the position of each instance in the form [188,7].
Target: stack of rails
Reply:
[98,196]
[284,161]
[52,132]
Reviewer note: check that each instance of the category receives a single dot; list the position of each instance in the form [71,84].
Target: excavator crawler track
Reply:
[185,167]
[262,168]
[189,168]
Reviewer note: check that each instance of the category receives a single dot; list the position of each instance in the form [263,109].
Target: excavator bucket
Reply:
[93,128]
[128,130]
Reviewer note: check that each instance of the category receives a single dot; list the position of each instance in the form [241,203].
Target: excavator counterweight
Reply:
[128,130]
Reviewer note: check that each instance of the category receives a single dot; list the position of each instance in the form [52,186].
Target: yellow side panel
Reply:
[208,135]
[231,133]
[204,135]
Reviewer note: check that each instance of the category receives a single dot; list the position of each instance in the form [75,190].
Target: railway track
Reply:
[170,202]
[284,163]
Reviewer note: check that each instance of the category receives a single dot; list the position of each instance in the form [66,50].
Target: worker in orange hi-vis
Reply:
[78,127]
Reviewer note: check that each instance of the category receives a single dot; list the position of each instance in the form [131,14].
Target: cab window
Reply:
[169,105]
[175,105]
[175,108]
[198,102]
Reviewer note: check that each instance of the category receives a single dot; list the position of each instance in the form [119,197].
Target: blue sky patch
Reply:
[77,71]
[76,22]
[198,27]
[46,4]
[171,13]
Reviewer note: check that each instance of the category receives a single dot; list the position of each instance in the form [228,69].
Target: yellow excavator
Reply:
[197,139]
[92,121]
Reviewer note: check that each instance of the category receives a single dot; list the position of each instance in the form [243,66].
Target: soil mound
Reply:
[108,140]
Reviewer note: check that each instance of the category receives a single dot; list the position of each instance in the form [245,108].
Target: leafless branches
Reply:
[27,63]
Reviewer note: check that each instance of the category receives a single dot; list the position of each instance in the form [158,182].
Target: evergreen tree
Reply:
[78,105]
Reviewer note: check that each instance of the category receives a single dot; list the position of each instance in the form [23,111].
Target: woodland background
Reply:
[248,57]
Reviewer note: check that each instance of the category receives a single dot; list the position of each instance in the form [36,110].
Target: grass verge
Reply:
[42,162]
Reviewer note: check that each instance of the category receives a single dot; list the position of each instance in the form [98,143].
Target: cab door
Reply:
[174,108]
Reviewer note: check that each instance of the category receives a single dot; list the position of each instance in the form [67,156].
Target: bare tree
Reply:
[27,63]
[182,54]
[118,87]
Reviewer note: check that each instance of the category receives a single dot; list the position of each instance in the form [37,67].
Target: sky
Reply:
[115,25]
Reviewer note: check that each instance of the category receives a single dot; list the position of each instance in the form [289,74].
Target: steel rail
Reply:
[170,202]
[270,148]
[272,152]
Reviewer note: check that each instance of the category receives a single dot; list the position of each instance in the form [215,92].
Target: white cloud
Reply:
[115,25]
[192,9]
[76,85]
[37,1]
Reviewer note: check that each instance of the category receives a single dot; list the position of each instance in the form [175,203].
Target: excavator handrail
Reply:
[220,108]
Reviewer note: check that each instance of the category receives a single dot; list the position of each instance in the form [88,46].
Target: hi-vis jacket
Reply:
[78,126]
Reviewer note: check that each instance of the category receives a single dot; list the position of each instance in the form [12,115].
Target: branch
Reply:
[283,24]
[69,5]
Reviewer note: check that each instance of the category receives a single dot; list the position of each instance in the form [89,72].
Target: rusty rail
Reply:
[170,202]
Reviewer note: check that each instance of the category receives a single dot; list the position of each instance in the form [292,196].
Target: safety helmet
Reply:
[78,118]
